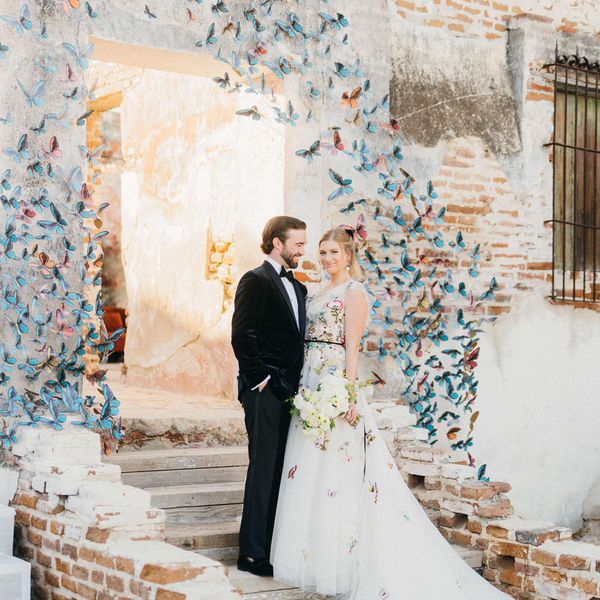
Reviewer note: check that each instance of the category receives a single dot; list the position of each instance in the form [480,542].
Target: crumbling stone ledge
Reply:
[530,560]
[88,536]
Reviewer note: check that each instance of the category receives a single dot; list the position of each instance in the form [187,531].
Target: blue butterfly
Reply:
[80,56]
[313,151]
[489,293]
[58,224]
[219,8]
[5,181]
[22,23]
[20,152]
[459,243]
[90,11]
[340,70]
[45,64]
[36,96]
[250,112]
[290,117]
[344,185]
[210,37]
[224,81]
[336,22]
[283,67]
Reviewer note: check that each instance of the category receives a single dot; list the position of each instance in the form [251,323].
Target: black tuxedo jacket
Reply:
[264,334]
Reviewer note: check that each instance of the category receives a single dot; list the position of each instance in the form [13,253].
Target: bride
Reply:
[346,522]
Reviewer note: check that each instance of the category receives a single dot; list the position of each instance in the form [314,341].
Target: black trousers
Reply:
[267,421]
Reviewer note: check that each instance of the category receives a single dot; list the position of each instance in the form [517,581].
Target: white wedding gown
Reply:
[346,521]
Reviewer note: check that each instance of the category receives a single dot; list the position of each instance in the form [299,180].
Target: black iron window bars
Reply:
[576,171]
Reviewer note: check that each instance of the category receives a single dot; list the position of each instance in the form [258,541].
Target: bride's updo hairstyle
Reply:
[346,242]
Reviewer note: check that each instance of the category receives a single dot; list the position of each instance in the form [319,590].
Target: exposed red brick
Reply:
[86,554]
[22,517]
[38,523]
[98,577]
[51,579]
[34,537]
[105,561]
[80,572]
[95,534]
[474,526]
[554,575]
[163,574]
[569,561]
[543,558]
[44,559]
[162,594]
[115,583]
[68,583]
[25,499]
[125,565]
[589,586]
[69,550]
[510,577]
[62,566]
[509,549]
[85,591]
[57,528]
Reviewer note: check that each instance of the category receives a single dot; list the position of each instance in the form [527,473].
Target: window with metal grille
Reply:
[576,156]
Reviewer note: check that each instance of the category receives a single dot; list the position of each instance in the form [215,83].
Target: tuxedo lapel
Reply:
[279,284]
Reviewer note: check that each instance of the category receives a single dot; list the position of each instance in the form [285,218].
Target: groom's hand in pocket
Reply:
[263,385]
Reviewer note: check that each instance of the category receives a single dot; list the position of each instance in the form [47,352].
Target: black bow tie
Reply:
[287,274]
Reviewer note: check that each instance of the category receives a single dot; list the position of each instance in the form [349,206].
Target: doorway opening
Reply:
[178,168]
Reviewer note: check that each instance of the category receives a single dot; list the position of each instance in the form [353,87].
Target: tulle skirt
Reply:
[348,524]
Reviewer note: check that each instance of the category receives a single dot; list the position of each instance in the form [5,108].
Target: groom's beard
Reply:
[291,260]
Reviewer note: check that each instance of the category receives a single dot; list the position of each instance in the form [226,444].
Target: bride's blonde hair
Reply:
[346,241]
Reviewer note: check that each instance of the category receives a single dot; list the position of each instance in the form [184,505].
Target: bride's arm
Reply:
[356,312]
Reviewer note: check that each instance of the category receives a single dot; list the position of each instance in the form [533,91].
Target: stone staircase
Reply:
[201,491]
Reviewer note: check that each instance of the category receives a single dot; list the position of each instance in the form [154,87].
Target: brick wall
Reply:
[88,536]
[530,560]
[505,201]
[489,18]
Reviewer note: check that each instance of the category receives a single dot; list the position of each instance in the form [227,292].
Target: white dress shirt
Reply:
[289,288]
[291,292]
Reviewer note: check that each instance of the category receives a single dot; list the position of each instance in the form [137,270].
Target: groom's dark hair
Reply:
[278,227]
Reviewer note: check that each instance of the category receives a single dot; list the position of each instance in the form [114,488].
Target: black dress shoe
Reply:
[260,567]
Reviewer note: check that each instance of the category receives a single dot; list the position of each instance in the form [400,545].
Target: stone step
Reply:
[290,594]
[200,494]
[176,477]
[250,584]
[222,534]
[180,458]
[201,514]
[472,556]
[227,554]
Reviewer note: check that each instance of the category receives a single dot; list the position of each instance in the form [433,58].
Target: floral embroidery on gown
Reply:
[346,522]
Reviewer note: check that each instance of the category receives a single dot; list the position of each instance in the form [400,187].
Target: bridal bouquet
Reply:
[318,409]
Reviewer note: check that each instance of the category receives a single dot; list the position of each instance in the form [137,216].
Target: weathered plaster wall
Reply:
[189,177]
[188,348]
[538,387]
[539,395]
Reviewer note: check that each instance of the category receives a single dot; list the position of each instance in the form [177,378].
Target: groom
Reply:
[268,341]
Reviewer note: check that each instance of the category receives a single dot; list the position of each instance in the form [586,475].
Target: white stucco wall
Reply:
[190,172]
[539,399]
